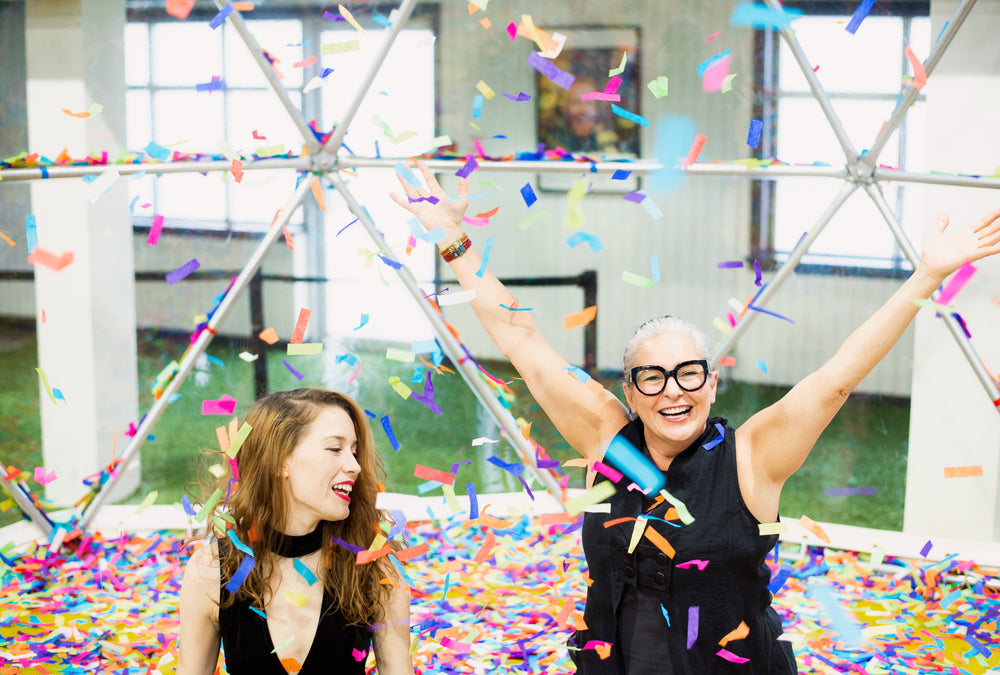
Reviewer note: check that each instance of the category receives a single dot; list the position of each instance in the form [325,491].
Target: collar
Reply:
[296,546]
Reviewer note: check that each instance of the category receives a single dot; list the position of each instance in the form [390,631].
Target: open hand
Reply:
[431,204]
[944,252]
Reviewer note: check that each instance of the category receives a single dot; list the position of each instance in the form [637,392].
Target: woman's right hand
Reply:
[445,213]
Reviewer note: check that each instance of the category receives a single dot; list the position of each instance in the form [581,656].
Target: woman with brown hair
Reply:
[679,582]
[282,589]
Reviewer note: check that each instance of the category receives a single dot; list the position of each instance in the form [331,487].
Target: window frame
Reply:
[763,191]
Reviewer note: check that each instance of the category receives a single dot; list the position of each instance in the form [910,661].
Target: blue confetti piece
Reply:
[516,309]
[391,263]
[477,106]
[672,140]
[237,543]
[513,468]
[157,151]
[303,571]
[407,175]
[258,613]
[635,465]
[578,238]
[418,375]
[381,20]
[219,18]
[387,426]
[31,232]
[620,174]
[473,502]
[296,374]
[326,71]
[188,509]
[762,365]
[631,116]
[665,615]
[216,84]
[57,393]
[848,630]
[242,572]
[711,61]
[859,15]
[528,194]
[424,488]
[757,15]
[364,320]
[753,136]
[351,360]
[487,247]
[578,373]
[769,313]
[718,439]
[654,268]
[779,579]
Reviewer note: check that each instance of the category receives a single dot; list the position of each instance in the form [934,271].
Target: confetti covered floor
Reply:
[110,606]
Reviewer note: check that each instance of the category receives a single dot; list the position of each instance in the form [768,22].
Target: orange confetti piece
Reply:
[237,170]
[317,191]
[557,518]
[737,633]
[963,471]
[496,523]
[288,238]
[603,650]
[412,552]
[813,526]
[243,6]
[579,319]
[300,326]
[473,8]
[563,616]
[179,9]
[485,22]
[659,541]
[7,239]
[80,115]
[428,473]
[269,335]
[919,74]
[484,550]
[48,259]
[488,214]
[578,622]
[290,664]
[696,146]
[728,361]
[305,62]
[367,556]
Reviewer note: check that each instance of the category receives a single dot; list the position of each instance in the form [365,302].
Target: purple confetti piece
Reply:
[343,544]
[730,264]
[756,271]
[182,271]
[188,509]
[296,374]
[217,84]
[241,574]
[330,16]
[692,626]
[470,166]
[926,549]
[428,396]
[520,97]
[849,491]
[544,66]
[528,194]
[635,197]
[457,465]
[753,137]
[220,18]
[774,314]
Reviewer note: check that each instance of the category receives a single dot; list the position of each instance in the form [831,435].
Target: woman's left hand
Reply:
[945,251]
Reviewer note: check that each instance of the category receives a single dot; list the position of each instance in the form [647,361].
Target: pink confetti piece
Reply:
[223,406]
[154,231]
[43,478]
[729,656]
[956,283]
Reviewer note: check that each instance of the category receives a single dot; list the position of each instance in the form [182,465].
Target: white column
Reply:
[86,311]
[952,421]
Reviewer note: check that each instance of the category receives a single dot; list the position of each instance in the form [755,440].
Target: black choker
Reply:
[289,546]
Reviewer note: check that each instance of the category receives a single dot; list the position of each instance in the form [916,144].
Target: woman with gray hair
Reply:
[691,596]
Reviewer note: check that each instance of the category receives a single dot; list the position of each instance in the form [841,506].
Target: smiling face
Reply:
[674,418]
[321,471]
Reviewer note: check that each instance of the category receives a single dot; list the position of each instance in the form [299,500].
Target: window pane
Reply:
[920,39]
[281,39]
[185,54]
[805,136]
[192,196]
[402,94]
[188,117]
[137,51]
[139,125]
[868,61]
[260,111]
[259,195]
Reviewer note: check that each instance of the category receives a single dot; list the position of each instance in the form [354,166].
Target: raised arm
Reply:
[587,417]
[780,437]
[199,640]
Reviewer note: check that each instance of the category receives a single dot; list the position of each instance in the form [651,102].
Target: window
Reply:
[862,75]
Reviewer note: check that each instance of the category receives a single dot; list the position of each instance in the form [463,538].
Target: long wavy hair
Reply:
[257,506]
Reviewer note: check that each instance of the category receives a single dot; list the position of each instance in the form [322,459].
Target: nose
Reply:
[672,388]
[351,466]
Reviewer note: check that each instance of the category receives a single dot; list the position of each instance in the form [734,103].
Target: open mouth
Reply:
[675,413]
[342,491]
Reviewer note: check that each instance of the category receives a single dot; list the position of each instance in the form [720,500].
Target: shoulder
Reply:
[201,576]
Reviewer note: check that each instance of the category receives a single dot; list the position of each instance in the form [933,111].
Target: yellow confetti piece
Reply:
[340,47]
[235,443]
[305,348]
[349,18]
[772,528]
[594,495]
[658,86]
[640,526]
[449,497]
[296,598]
[485,89]
[45,383]
[216,470]
[621,66]
[404,355]
[147,502]
[400,388]
[209,505]
[636,280]
[378,542]
[682,510]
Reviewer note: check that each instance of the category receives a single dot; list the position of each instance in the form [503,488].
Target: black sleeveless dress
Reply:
[248,648]
[670,614]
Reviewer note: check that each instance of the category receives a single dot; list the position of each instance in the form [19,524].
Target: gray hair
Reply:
[658,326]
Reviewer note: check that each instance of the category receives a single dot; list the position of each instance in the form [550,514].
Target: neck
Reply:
[296,546]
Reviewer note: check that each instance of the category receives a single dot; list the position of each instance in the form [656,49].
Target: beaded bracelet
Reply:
[457,248]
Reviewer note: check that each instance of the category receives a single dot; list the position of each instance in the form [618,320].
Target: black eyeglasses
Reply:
[651,380]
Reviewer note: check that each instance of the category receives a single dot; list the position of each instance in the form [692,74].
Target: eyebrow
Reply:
[342,439]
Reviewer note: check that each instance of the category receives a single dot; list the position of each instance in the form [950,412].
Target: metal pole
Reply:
[332,144]
[180,166]
[950,321]
[20,495]
[907,97]
[197,348]
[890,175]
[450,345]
[256,327]
[850,154]
[765,293]
[236,19]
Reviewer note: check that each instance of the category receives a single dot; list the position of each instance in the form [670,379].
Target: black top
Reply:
[638,588]
[247,644]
